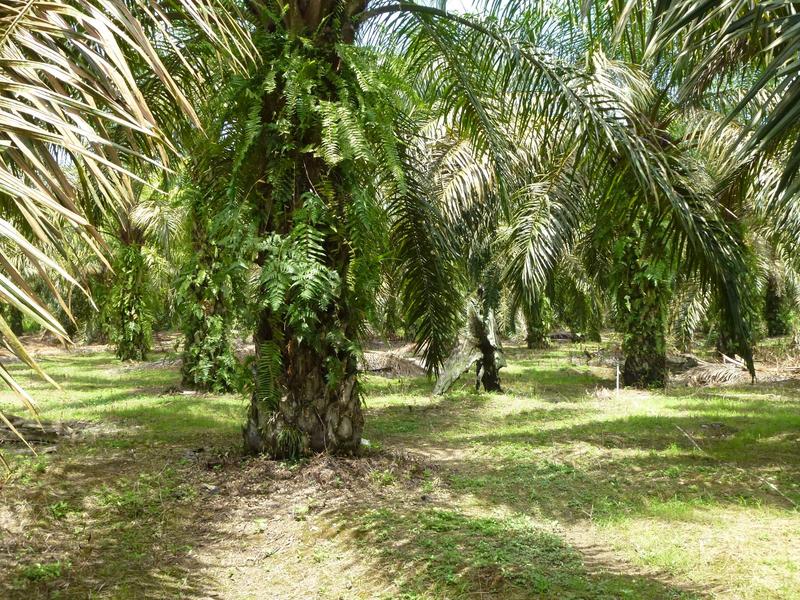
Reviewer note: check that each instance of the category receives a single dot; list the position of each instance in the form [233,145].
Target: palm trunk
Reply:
[536,330]
[483,328]
[643,299]
[306,393]
[645,354]
[209,362]
[305,396]
[535,336]
[724,343]
[776,309]
[133,327]
[305,399]
[488,372]
[14,318]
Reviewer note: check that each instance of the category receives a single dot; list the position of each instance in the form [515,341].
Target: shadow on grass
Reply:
[135,521]
[439,552]
[573,460]
[119,526]
[621,467]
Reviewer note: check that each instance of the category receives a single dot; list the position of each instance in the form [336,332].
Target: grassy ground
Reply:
[557,488]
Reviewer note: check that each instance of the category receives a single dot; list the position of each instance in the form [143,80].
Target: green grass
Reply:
[136,398]
[618,470]
[557,488]
[106,507]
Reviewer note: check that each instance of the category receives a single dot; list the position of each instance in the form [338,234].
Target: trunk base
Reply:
[537,343]
[645,371]
[487,370]
[309,416]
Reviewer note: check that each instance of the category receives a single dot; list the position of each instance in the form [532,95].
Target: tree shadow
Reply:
[101,525]
[436,550]
[570,462]
[137,517]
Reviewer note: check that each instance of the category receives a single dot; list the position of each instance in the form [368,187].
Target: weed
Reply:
[43,571]
[61,509]
[382,477]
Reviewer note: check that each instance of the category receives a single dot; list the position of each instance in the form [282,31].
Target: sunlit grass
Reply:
[526,484]
[618,469]
[142,399]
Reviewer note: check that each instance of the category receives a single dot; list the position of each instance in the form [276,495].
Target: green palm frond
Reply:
[689,307]
[72,110]
[753,43]
[428,278]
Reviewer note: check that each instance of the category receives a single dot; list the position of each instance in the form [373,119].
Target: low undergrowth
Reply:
[557,488]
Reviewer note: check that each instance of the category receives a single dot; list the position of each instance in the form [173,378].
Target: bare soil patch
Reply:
[275,531]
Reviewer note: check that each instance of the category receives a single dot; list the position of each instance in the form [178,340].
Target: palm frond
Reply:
[73,110]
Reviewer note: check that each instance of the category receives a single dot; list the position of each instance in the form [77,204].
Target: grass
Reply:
[557,488]
[618,469]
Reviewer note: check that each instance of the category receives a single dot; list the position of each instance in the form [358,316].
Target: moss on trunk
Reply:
[642,302]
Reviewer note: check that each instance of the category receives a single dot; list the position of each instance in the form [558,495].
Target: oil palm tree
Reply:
[747,53]
[635,237]
[661,235]
[323,145]
[750,48]
[143,231]
[319,144]
[75,79]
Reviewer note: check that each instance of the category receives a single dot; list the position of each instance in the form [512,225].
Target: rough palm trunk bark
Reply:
[538,317]
[535,335]
[484,331]
[645,355]
[488,372]
[309,400]
[534,340]
[309,415]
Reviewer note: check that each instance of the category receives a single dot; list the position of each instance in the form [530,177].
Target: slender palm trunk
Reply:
[776,309]
[537,325]
[484,330]
[488,371]
[133,327]
[209,362]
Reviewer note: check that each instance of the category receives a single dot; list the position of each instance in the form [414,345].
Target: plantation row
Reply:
[311,174]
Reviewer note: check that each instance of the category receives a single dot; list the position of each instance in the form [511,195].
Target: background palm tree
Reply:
[74,77]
